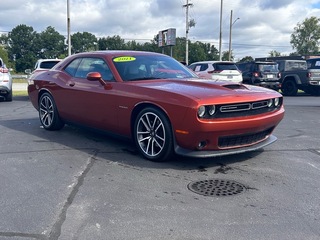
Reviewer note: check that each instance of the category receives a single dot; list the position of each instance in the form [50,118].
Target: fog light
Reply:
[202,144]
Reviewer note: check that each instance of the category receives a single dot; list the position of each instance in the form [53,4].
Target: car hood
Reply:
[208,88]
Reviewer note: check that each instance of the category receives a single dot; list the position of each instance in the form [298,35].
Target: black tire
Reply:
[9,97]
[153,135]
[289,88]
[48,113]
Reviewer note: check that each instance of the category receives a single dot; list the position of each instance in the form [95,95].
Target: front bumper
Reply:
[219,153]
[273,84]
[4,90]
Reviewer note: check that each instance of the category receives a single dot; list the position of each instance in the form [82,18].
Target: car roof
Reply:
[258,62]
[209,62]
[49,60]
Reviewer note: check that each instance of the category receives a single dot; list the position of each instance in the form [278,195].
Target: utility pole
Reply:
[187,5]
[230,34]
[68,29]
[220,37]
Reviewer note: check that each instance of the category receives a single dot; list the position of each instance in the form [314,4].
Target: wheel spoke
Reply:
[46,111]
[150,134]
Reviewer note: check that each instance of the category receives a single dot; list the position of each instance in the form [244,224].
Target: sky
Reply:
[258,26]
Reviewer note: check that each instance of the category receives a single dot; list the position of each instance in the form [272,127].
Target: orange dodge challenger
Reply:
[157,102]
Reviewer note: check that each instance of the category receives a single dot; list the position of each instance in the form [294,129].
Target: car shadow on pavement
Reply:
[107,147]
[16,98]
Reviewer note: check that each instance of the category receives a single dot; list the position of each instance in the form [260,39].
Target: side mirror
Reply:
[27,71]
[95,76]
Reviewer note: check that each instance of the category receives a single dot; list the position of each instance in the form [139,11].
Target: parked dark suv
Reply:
[260,73]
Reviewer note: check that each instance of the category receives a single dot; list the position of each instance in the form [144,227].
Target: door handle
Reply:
[71,83]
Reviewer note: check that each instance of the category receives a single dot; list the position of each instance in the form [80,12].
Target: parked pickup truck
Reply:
[295,75]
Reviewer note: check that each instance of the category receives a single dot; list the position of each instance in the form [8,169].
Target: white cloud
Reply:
[264,25]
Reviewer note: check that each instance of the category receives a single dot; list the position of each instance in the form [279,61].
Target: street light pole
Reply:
[230,33]
[220,37]
[187,5]
[68,29]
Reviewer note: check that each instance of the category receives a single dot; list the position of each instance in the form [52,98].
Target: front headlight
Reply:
[211,110]
[270,102]
[201,111]
[206,111]
[276,102]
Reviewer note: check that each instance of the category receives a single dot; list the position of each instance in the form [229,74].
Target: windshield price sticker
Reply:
[124,59]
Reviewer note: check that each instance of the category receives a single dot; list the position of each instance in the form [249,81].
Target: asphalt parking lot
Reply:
[79,184]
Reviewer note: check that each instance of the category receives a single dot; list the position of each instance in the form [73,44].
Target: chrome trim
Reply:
[243,106]
[235,107]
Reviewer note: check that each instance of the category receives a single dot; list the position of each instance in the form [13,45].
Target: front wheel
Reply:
[153,135]
[48,113]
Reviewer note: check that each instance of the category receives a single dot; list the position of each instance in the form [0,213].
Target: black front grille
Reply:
[245,109]
[241,140]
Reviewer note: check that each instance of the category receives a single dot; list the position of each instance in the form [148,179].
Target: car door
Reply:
[89,102]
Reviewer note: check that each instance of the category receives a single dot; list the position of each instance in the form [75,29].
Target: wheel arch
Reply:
[41,92]
[294,78]
[139,107]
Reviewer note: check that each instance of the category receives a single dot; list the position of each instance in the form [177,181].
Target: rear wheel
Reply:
[289,88]
[153,135]
[9,97]
[48,113]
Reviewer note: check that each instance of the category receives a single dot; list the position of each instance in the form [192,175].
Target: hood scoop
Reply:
[234,86]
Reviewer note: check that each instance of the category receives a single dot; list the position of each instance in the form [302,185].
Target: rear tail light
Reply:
[256,74]
[4,70]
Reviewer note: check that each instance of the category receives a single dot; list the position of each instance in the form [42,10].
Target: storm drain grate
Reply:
[216,187]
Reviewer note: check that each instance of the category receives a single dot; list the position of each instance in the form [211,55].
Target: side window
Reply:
[72,67]
[192,67]
[80,67]
[197,68]
[99,65]
[204,67]
[84,67]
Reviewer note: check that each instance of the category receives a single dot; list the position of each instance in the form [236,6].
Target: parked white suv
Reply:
[217,70]
[43,65]
[5,82]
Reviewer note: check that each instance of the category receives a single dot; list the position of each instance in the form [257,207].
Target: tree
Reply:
[111,43]
[83,42]
[274,53]
[306,36]
[23,46]
[246,59]
[52,44]
[225,56]
[4,56]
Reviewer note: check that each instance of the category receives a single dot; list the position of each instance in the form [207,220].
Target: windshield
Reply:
[48,64]
[313,64]
[145,67]
[268,67]
[225,66]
